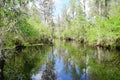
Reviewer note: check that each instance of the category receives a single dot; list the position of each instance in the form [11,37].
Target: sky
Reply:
[59,5]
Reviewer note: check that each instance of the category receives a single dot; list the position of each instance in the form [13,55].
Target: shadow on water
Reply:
[64,61]
[2,63]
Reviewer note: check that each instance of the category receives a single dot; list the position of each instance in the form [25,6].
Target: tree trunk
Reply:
[106,9]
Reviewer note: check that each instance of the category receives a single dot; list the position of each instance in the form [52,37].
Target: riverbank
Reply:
[103,32]
[105,44]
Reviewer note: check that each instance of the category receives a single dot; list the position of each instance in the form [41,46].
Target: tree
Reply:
[11,11]
[46,7]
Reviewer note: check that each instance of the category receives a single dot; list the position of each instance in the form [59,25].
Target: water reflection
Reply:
[2,63]
[71,62]
[20,66]
[65,61]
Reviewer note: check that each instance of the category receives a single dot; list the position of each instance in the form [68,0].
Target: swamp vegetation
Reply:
[82,42]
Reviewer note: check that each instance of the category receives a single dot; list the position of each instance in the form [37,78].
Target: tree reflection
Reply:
[49,72]
[2,63]
[20,66]
[75,62]
[67,62]
[86,63]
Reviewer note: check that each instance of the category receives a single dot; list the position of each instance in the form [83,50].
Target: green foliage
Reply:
[99,30]
[15,20]
[25,28]
[41,29]
[107,30]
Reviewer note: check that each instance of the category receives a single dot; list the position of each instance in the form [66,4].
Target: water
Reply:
[64,61]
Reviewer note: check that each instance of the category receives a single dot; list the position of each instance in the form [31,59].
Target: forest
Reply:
[95,23]
[33,23]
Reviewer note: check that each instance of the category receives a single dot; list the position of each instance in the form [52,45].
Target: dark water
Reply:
[64,61]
